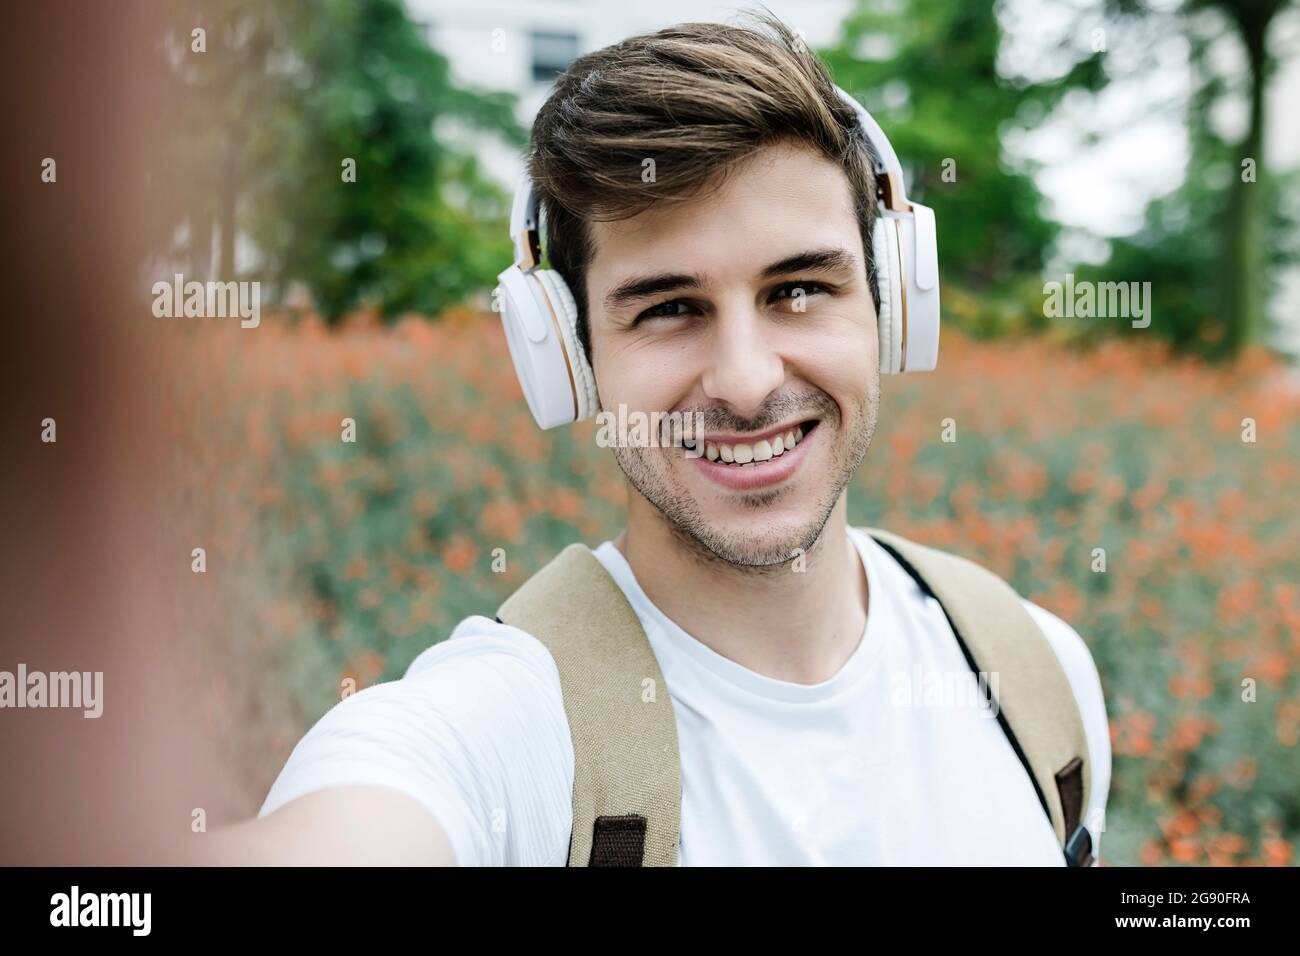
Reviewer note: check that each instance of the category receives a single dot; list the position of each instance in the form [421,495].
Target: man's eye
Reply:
[665,310]
[797,290]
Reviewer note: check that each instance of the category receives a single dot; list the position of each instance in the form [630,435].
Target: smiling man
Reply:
[752,308]
[740,677]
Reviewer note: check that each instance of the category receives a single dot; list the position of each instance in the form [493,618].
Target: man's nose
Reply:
[743,366]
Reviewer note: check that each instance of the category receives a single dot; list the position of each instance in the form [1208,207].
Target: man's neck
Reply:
[794,625]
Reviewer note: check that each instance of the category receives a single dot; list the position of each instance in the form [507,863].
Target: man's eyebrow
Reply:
[821,260]
[640,287]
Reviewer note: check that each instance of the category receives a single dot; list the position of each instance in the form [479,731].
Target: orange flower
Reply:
[367,667]
[1277,852]
[1272,667]
[1186,687]
[1151,853]
[459,555]
[1242,774]
[1229,844]
[565,503]
[1188,730]
[1081,481]
[1182,824]
[1288,723]
[904,445]
[502,519]
[1184,851]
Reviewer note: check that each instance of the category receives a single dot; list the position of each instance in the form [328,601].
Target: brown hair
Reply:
[698,99]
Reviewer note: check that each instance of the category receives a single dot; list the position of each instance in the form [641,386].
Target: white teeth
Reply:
[764,450]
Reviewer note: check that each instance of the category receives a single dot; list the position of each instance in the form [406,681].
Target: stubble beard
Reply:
[653,474]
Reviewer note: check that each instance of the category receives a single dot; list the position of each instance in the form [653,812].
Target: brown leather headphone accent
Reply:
[564,349]
[902,285]
[891,192]
[532,251]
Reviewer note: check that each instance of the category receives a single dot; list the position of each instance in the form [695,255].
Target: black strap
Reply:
[618,841]
[1069,784]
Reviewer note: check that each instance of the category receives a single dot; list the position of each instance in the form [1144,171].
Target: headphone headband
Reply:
[524,223]
[884,161]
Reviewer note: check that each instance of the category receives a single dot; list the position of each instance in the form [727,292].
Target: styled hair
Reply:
[698,99]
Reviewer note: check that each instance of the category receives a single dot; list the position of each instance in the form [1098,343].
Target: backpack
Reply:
[626,775]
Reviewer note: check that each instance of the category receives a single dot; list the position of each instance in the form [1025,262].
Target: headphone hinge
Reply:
[532,250]
[891,192]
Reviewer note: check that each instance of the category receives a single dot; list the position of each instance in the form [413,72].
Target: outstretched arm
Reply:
[338,826]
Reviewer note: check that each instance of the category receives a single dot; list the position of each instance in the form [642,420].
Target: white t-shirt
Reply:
[874,766]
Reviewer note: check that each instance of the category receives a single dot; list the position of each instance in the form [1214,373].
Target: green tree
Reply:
[1210,247]
[1244,289]
[316,132]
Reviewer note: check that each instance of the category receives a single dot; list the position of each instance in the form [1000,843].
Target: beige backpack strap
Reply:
[626,771]
[1036,707]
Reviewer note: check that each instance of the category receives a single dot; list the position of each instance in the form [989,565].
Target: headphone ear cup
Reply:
[884,245]
[535,315]
[566,312]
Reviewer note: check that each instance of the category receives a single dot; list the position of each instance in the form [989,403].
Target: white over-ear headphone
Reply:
[541,318]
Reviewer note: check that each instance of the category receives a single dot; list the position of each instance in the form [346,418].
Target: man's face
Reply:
[751,306]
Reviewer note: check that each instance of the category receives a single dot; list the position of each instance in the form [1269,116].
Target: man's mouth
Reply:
[756,461]
[754,451]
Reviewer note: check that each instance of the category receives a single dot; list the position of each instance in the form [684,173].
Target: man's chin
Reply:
[761,528]
[755,542]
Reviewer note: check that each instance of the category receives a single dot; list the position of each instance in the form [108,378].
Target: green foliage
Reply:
[1212,247]
[1180,250]
[946,107]
[930,73]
